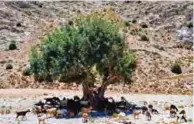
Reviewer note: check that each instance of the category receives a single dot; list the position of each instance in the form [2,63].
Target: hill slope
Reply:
[167,25]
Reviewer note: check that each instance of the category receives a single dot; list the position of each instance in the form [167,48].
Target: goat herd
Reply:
[76,107]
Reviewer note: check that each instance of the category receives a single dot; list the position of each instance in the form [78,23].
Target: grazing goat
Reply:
[123,104]
[154,111]
[41,120]
[22,113]
[39,110]
[40,103]
[136,114]
[51,112]
[86,108]
[54,101]
[182,116]
[148,115]
[150,106]
[144,109]
[111,106]
[173,107]
[182,112]
[127,122]
[173,113]
[85,117]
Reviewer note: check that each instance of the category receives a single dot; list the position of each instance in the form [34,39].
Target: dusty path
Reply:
[22,99]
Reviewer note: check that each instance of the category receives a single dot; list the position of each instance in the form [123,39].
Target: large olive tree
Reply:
[85,46]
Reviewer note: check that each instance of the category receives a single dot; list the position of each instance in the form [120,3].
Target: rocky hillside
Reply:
[160,33]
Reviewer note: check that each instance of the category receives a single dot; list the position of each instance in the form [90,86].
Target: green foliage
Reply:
[126,65]
[176,68]
[70,53]
[9,66]
[12,45]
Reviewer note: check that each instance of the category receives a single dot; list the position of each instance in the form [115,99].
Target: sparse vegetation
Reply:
[176,68]
[2,86]
[127,23]
[9,66]
[190,24]
[144,38]
[134,32]
[26,72]
[181,106]
[188,45]
[144,25]
[134,21]
[190,120]
[12,45]
[158,47]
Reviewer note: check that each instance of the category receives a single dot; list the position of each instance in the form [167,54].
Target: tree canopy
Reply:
[88,42]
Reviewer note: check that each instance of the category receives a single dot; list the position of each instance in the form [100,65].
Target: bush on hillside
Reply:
[144,38]
[12,45]
[9,66]
[159,47]
[176,68]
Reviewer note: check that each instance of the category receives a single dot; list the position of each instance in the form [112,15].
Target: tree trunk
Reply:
[102,90]
[86,91]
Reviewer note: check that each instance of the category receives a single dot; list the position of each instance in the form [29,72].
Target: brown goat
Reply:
[22,113]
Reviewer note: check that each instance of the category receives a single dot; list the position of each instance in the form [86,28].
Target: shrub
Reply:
[188,45]
[190,24]
[158,47]
[180,106]
[26,72]
[12,45]
[144,25]
[134,21]
[176,68]
[134,32]
[144,38]
[127,24]
[190,120]
[9,66]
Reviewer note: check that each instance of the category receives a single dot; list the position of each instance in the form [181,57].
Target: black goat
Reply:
[150,106]
[111,106]
[144,109]
[173,107]
[101,104]
[154,111]
[52,102]
[41,104]
[148,115]
[182,116]
[124,105]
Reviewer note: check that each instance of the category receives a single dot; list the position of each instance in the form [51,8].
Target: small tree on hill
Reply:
[89,44]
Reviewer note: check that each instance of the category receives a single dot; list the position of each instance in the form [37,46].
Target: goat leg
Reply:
[184,118]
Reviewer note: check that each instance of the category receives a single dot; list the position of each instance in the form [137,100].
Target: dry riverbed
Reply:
[22,99]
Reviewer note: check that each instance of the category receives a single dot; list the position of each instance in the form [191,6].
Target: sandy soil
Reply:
[22,99]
